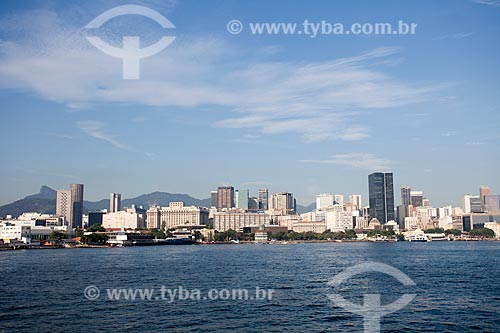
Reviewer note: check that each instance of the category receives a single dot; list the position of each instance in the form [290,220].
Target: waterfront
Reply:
[456,287]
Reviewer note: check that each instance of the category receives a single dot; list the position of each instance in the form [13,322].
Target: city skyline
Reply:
[207,109]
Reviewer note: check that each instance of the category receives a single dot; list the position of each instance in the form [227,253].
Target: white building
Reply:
[176,214]
[310,226]
[324,200]
[11,232]
[236,220]
[466,204]
[495,226]
[339,220]
[128,219]
[339,199]
[355,200]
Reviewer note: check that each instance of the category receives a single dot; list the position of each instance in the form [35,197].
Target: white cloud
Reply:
[492,3]
[449,133]
[316,100]
[96,129]
[356,160]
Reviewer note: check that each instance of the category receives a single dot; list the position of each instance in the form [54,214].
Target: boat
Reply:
[418,238]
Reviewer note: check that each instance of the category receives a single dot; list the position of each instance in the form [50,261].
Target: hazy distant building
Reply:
[417,198]
[63,204]
[115,202]
[476,205]
[381,196]
[213,198]
[466,204]
[339,199]
[355,200]
[225,197]
[242,199]
[76,205]
[283,202]
[324,200]
[492,203]
[263,199]
[405,195]
[253,203]
[483,192]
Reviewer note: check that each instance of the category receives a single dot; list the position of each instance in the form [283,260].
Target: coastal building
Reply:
[355,200]
[225,197]
[115,202]
[417,198]
[213,198]
[283,202]
[63,204]
[466,204]
[324,200]
[176,214]
[483,192]
[339,220]
[405,195]
[263,199]
[127,219]
[11,232]
[237,219]
[339,199]
[241,198]
[309,226]
[76,205]
[381,196]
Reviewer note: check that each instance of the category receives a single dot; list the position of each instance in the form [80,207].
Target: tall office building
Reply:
[76,205]
[225,197]
[483,192]
[242,199]
[324,200]
[283,202]
[339,199]
[417,198]
[466,204]
[355,200]
[213,198]
[263,199]
[405,195]
[115,202]
[381,196]
[63,204]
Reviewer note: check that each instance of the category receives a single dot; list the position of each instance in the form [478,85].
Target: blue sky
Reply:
[291,113]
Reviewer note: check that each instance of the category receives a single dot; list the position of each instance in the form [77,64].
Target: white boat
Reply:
[418,238]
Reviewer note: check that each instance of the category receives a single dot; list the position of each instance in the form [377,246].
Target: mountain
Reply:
[45,202]
[304,209]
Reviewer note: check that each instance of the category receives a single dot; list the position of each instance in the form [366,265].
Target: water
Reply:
[457,287]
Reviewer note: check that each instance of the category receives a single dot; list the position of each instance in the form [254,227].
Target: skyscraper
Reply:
[263,199]
[76,205]
[242,201]
[283,202]
[225,197]
[355,200]
[324,200]
[405,195]
[339,199]
[483,192]
[381,193]
[417,198]
[63,204]
[115,202]
[213,198]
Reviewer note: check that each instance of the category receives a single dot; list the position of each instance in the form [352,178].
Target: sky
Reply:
[287,112]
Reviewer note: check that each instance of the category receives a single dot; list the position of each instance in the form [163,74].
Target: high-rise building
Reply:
[381,196]
[213,198]
[63,204]
[324,200]
[253,203]
[492,203]
[339,199]
[355,200]
[483,192]
[405,195]
[225,197]
[242,199]
[476,205]
[466,204]
[115,202]
[283,202]
[76,205]
[263,199]
[417,198]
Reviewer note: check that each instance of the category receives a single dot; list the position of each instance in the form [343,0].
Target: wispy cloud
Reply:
[96,129]
[492,3]
[356,160]
[61,136]
[257,183]
[458,35]
[449,133]
[320,100]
